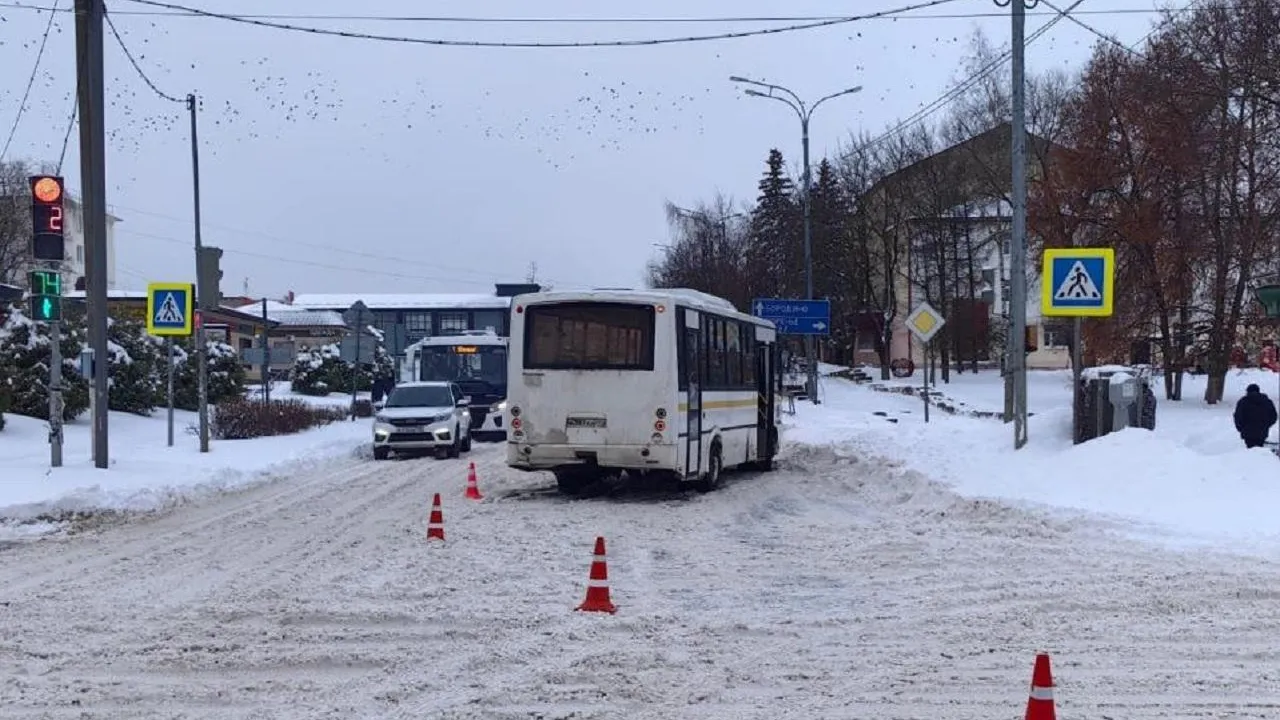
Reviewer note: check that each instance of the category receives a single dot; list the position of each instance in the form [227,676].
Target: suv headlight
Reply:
[381,419]
[500,407]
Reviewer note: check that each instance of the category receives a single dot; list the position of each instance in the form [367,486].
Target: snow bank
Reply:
[145,474]
[1190,482]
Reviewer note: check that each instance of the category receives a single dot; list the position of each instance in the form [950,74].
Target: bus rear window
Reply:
[589,336]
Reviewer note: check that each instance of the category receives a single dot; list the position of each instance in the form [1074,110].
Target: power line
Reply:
[26,94]
[327,266]
[451,19]
[964,86]
[308,245]
[71,123]
[163,95]
[357,35]
[1090,28]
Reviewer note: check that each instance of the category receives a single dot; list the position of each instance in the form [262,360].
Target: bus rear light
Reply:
[657,437]
[519,309]
[661,413]
[660,425]
[514,410]
[516,424]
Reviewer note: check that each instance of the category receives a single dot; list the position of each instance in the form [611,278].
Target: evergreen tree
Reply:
[772,257]
[320,371]
[24,364]
[317,371]
[226,376]
[137,367]
[831,215]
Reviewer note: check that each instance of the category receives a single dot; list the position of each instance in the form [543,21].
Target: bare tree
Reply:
[15,221]
[707,251]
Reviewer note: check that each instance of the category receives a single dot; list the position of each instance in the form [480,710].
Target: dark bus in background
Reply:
[477,361]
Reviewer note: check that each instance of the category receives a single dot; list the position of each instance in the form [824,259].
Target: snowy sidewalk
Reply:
[144,473]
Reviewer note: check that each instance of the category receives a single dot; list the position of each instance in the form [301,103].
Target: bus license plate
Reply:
[594,423]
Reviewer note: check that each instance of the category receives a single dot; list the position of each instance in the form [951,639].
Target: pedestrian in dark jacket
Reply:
[1254,416]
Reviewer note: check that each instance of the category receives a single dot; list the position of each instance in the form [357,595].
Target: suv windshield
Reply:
[420,396]
[465,363]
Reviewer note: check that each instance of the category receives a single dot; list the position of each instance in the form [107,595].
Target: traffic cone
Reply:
[473,490]
[435,524]
[1040,704]
[598,584]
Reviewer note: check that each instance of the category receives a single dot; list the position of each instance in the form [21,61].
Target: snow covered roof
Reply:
[111,294]
[401,301]
[293,316]
[306,318]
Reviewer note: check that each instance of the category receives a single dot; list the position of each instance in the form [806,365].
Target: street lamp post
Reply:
[805,112]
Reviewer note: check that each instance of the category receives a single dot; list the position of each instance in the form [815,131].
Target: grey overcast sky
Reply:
[332,164]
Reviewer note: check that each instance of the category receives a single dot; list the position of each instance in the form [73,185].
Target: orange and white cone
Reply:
[473,490]
[435,524]
[598,584]
[1040,705]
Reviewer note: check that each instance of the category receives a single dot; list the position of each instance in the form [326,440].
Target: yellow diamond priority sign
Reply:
[924,322]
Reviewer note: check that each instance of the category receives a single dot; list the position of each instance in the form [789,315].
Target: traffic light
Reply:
[46,295]
[46,218]
[209,278]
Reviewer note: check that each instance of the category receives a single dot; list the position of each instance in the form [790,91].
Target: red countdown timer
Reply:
[47,217]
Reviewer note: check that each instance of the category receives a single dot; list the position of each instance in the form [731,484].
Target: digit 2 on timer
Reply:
[46,217]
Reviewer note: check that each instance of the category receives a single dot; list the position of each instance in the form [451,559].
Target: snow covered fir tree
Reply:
[320,370]
[25,355]
[137,374]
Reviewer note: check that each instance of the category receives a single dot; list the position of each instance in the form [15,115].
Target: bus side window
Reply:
[733,354]
[748,355]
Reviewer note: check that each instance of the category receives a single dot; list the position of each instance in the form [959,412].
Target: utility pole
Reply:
[1016,362]
[55,393]
[202,351]
[805,112]
[93,182]
[266,355]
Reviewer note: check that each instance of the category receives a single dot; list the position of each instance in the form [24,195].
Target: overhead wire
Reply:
[132,61]
[602,20]
[328,266]
[308,245]
[956,91]
[443,42]
[31,81]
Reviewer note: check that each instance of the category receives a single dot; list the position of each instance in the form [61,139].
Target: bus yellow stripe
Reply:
[723,404]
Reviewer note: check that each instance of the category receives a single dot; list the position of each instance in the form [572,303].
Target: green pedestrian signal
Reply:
[46,295]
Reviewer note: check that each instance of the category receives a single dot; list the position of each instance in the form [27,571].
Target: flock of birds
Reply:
[255,100]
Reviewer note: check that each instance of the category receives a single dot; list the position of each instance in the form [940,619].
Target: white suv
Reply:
[423,417]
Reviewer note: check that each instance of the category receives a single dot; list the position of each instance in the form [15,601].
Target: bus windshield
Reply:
[466,364]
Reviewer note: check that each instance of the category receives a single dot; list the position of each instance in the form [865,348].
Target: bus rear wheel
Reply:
[574,480]
[715,465]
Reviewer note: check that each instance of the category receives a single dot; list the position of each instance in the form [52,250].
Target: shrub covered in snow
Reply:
[24,365]
[363,408]
[320,371]
[137,373]
[136,368]
[239,419]
[226,374]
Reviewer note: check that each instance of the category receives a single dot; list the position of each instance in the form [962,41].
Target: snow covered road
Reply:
[832,588]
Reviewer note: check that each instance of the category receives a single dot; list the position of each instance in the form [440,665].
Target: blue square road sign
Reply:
[795,317]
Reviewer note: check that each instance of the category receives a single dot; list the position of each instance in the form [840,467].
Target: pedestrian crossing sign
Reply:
[169,309]
[1078,282]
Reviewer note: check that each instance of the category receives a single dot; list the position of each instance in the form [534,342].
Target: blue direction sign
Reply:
[795,317]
